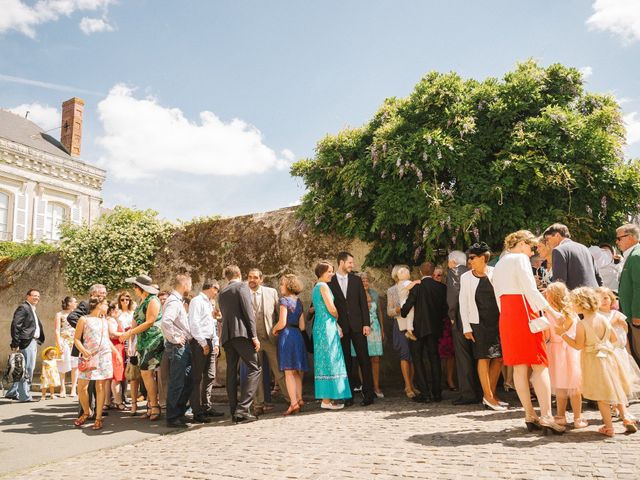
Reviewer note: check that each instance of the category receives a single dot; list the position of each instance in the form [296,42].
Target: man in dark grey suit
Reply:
[469,390]
[572,263]
[239,340]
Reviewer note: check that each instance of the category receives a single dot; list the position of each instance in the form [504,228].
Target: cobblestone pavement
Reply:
[394,438]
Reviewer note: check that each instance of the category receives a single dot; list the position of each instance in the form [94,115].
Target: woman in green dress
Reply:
[331,381]
[150,342]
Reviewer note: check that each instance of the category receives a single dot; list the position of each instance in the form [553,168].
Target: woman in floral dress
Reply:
[92,340]
[64,342]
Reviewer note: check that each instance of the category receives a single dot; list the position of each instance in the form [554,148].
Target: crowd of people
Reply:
[562,322]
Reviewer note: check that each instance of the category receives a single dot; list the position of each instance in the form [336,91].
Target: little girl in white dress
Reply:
[405,284]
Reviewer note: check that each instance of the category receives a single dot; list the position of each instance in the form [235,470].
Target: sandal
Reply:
[292,409]
[301,403]
[410,393]
[155,416]
[97,425]
[106,407]
[580,423]
[608,431]
[134,409]
[117,406]
[82,419]
[629,425]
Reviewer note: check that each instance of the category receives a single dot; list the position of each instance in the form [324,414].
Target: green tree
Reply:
[120,244]
[461,160]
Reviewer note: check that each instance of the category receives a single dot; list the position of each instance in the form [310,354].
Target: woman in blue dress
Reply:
[331,381]
[292,353]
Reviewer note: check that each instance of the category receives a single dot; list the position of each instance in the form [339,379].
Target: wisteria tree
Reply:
[463,160]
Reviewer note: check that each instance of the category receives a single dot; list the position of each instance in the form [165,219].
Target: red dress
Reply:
[118,368]
[519,345]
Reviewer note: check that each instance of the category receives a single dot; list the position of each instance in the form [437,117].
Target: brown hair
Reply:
[120,296]
[231,272]
[322,268]
[292,283]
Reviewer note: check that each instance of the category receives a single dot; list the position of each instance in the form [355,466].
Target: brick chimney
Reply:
[71,134]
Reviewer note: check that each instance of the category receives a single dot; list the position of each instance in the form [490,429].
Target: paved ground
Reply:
[393,439]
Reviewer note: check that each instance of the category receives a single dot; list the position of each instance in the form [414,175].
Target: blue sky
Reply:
[163,81]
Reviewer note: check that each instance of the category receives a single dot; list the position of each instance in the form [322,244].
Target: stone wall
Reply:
[276,242]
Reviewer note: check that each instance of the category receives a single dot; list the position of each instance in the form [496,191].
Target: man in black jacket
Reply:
[353,318]
[429,298]
[240,341]
[26,334]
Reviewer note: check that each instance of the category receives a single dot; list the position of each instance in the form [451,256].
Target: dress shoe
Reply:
[366,402]
[331,406]
[437,398]
[11,397]
[244,418]
[200,419]
[348,402]
[421,399]
[496,407]
[213,413]
[464,401]
[177,424]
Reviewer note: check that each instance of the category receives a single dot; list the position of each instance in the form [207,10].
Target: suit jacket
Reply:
[238,319]
[574,265]
[629,289]
[429,298]
[353,311]
[453,292]
[270,309]
[23,327]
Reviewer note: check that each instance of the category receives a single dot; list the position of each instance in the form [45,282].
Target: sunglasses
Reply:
[621,237]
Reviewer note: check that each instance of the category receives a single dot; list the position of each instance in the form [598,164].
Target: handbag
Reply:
[538,324]
[132,372]
[91,363]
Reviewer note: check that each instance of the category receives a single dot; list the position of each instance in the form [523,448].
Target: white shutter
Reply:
[75,214]
[41,214]
[20,229]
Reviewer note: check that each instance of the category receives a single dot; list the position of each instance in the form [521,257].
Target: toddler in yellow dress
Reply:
[50,377]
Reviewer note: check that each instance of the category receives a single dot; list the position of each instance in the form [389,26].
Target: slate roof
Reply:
[20,130]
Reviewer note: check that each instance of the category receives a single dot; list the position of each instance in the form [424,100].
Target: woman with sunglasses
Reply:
[480,314]
[126,307]
[520,301]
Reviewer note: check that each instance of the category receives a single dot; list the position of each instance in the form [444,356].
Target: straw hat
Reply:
[46,350]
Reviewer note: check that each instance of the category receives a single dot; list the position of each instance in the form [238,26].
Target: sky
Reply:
[199,108]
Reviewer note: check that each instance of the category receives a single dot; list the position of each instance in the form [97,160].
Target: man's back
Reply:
[573,264]
[238,319]
[430,301]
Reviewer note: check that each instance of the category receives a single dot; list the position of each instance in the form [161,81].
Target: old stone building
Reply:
[43,181]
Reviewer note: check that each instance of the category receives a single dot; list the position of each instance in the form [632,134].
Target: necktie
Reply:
[255,302]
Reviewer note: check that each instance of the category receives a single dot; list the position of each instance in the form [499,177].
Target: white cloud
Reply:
[94,25]
[23,17]
[44,116]
[632,124]
[586,72]
[143,138]
[620,17]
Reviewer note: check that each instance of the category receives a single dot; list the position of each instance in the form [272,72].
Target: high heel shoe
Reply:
[410,393]
[532,424]
[301,403]
[497,408]
[292,409]
[608,431]
[507,387]
[82,419]
[155,416]
[97,425]
[550,426]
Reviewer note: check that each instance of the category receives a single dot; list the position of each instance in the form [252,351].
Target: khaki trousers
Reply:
[271,352]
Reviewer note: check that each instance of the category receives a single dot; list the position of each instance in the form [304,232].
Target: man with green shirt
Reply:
[627,239]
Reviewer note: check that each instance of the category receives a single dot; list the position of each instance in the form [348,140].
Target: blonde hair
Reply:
[401,270]
[515,238]
[394,271]
[585,298]
[292,283]
[607,292]
[557,294]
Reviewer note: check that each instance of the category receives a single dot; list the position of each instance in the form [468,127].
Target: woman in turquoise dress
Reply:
[331,381]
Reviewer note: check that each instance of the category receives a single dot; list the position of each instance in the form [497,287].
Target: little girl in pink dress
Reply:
[564,361]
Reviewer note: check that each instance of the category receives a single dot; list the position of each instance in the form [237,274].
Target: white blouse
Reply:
[468,308]
[513,276]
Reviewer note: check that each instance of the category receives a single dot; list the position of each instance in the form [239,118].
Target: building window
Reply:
[4,216]
[56,214]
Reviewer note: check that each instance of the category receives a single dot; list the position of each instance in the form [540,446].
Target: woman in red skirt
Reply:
[519,301]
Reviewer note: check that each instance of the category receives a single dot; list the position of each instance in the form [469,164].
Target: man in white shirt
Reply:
[176,331]
[204,350]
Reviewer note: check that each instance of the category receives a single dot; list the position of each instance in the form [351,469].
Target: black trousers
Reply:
[236,349]
[427,346]
[364,361]
[203,374]
[468,382]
